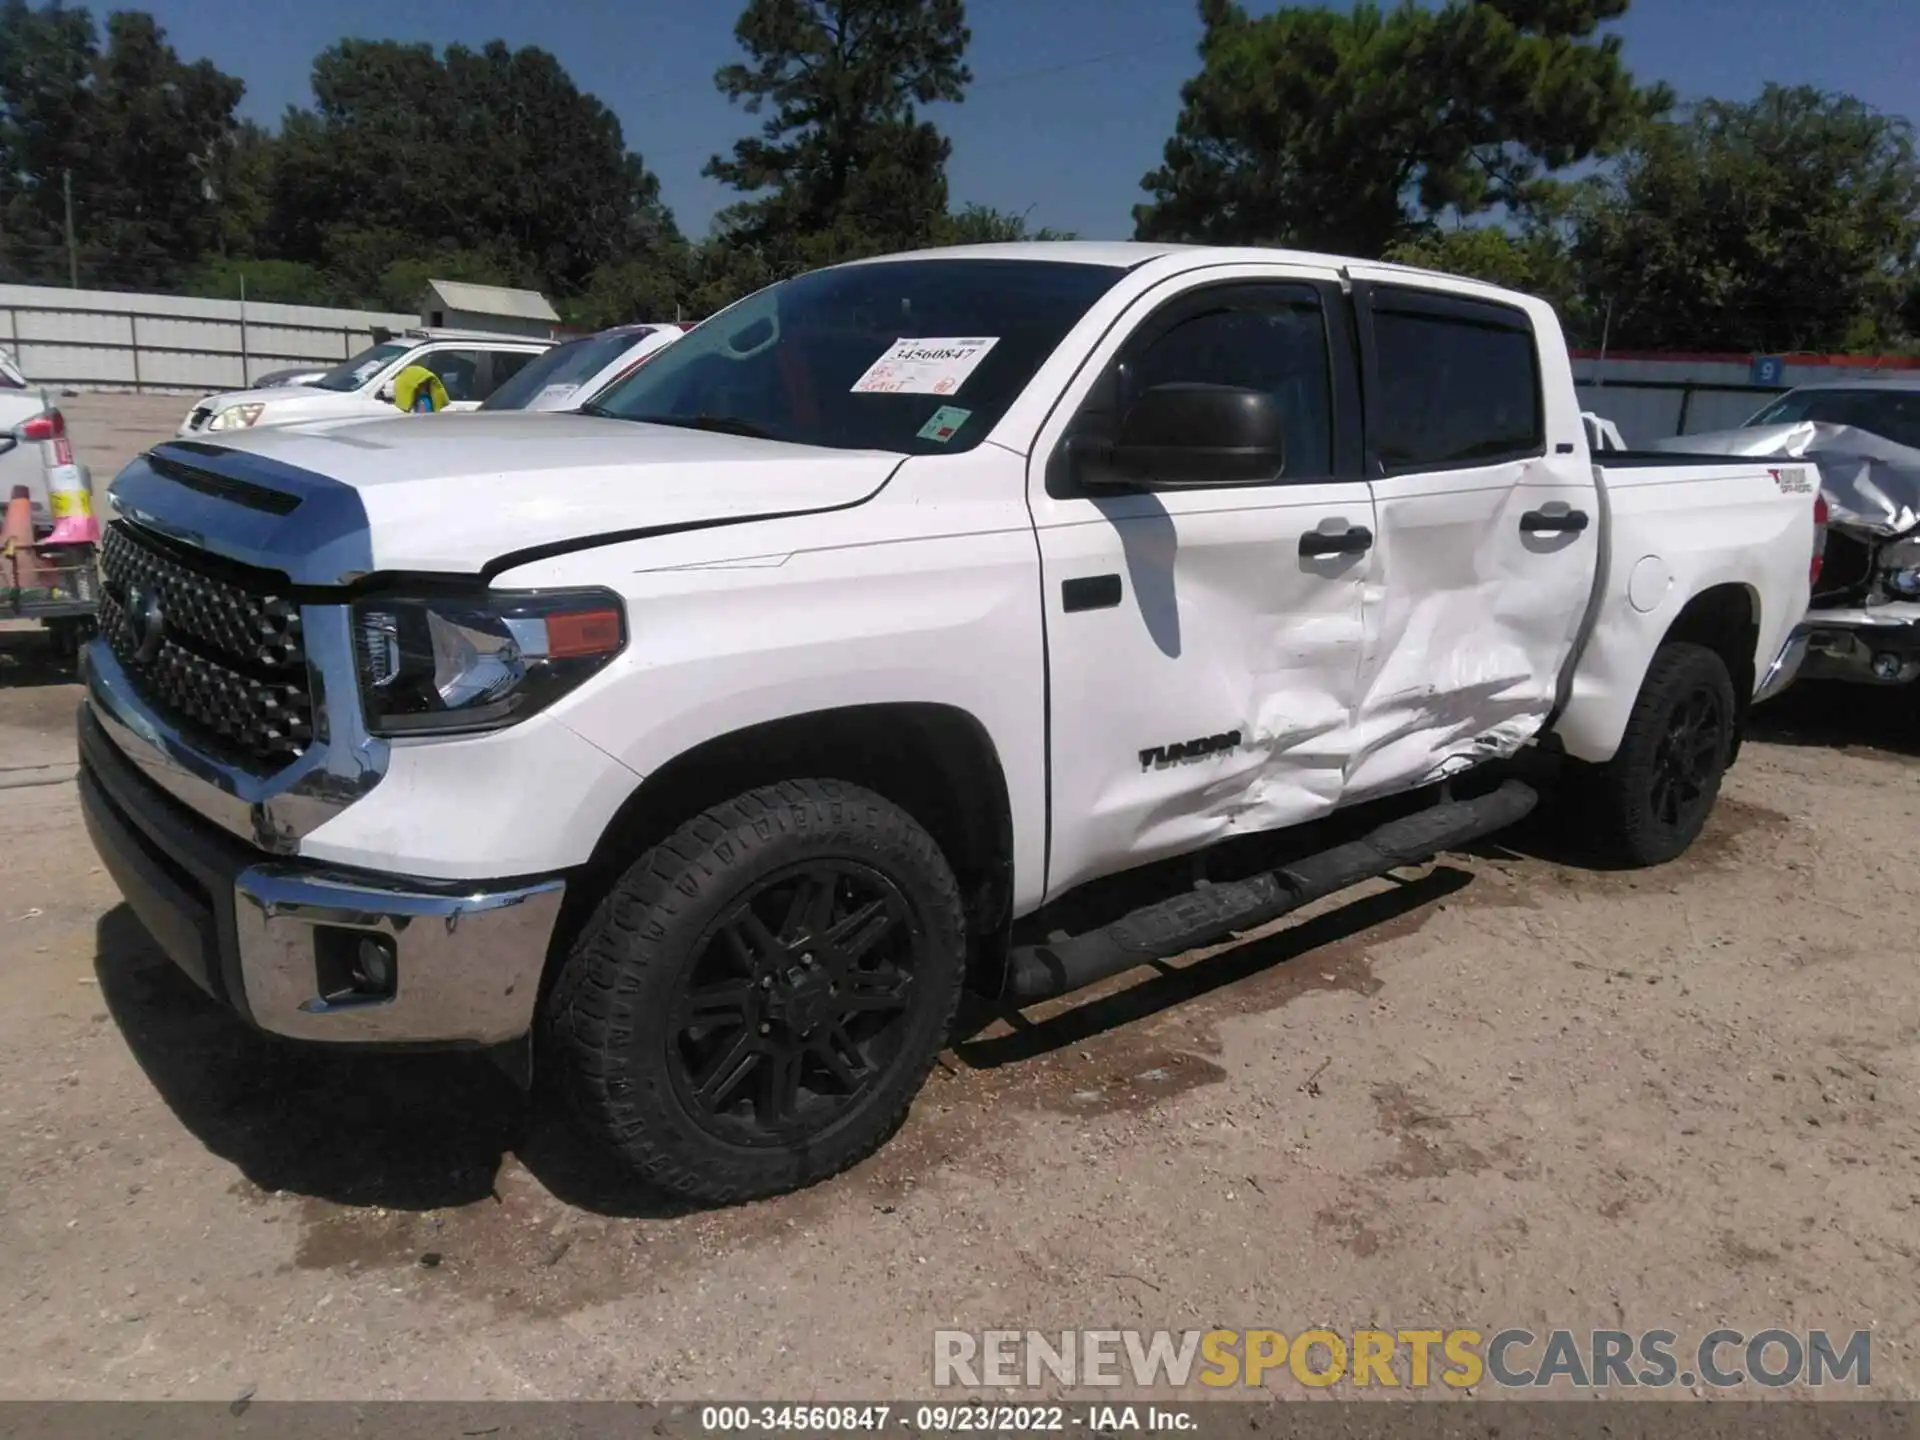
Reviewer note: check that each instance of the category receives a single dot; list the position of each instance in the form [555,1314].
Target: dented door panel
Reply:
[1469,620]
[1240,659]
[1490,531]
[1201,668]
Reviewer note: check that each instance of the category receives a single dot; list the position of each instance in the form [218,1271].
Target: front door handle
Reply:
[1356,541]
[1538,522]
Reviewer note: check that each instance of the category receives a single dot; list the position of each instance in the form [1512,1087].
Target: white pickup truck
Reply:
[718,738]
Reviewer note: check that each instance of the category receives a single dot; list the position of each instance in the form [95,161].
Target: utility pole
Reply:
[73,249]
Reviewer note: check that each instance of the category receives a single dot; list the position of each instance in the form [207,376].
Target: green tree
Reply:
[491,160]
[984,225]
[847,166]
[285,282]
[1351,130]
[1534,255]
[155,123]
[46,64]
[127,127]
[1791,222]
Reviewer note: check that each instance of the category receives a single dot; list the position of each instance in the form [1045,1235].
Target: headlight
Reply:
[236,417]
[1899,566]
[434,666]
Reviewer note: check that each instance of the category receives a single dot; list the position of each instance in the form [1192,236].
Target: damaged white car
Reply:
[1862,440]
[722,733]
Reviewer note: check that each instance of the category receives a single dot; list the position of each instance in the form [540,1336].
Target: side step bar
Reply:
[1213,912]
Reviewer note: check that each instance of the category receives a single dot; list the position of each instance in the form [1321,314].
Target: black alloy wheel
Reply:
[1689,758]
[796,1002]
[754,1004]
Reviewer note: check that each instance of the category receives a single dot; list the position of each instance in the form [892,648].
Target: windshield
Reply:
[565,367]
[1891,414]
[915,356]
[362,367]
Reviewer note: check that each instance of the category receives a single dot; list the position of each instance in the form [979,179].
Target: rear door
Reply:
[463,370]
[1489,532]
[1203,644]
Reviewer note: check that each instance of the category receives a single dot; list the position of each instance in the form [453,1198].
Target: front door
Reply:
[1488,536]
[1203,644]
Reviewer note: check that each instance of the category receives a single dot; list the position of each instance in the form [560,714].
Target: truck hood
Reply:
[451,493]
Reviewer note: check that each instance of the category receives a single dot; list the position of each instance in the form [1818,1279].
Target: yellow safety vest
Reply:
[418,388]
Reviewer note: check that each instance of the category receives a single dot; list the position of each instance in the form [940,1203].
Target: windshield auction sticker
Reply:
[924,367]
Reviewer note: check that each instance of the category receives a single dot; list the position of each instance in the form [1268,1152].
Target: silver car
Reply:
[576,370]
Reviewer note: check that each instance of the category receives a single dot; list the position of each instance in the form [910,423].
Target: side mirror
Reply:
[385,393]
[1193,435]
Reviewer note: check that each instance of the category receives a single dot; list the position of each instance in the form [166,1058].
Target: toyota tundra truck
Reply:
[709,744]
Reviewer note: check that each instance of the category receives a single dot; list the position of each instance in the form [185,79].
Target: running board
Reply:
[1214,912]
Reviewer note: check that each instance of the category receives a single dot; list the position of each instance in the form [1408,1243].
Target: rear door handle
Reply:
[1538,522]
[1356,541]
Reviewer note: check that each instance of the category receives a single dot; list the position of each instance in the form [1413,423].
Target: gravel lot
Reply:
[1505,1090]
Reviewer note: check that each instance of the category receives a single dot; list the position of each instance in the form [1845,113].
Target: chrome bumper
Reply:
[1877,645]
[1786,665]
[273,938]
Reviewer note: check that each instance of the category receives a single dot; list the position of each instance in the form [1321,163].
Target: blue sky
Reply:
[1071,99]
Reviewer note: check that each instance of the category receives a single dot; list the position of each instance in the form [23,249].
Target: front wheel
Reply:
[1653,798]
[756,1002]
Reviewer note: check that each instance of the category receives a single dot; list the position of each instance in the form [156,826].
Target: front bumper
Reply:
[264,935]
[1872,645]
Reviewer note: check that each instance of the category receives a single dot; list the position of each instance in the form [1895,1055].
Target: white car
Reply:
[727,734]
[41,457]
[575,371]
[472,365]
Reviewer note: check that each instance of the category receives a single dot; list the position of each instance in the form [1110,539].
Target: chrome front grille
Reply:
[215,648]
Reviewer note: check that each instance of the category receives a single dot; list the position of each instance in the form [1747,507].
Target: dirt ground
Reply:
[1504,1091]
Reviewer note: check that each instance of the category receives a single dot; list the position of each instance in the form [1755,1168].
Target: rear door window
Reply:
[1454,383]
[463,372]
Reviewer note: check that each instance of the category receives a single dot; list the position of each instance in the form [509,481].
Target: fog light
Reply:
[354,967]
[1886,666]
[373,965]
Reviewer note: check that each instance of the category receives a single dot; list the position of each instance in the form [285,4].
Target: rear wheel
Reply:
[1653,798]
[756,1002]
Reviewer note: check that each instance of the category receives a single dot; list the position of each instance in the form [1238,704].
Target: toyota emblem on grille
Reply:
[146,621]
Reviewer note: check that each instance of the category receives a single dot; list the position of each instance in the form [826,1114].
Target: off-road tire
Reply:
[605,1023]
[1620,798]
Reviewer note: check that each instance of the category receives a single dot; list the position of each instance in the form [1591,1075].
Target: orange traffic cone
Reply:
[22,570]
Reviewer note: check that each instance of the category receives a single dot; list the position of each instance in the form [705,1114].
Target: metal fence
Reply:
[1656,396]
[100,340]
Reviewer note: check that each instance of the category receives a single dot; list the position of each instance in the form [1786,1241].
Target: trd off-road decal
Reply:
[1793,480]
[1160,756]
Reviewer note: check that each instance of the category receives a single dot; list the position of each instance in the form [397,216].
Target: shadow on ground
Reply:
[1833,715]
[428,1131]
[28,658]
[1177,984]
[419,1131]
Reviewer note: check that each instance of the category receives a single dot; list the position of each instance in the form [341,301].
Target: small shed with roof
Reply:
[461,305]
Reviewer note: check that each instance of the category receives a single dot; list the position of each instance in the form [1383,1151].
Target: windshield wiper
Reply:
[720,424]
